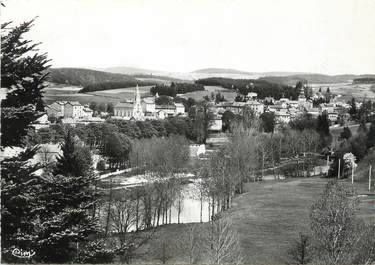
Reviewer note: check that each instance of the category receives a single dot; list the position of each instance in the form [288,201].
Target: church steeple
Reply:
[137,106]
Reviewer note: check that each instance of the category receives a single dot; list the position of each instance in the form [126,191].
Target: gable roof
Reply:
[73,103]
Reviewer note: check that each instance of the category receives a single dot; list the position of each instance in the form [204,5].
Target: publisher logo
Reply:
[23,254]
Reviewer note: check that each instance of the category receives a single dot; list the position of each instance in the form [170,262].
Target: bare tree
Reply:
[122,216]
[334,224]
[189,244]
[222,243]
[301,250]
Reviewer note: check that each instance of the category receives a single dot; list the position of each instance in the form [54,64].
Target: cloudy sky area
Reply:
[326,36]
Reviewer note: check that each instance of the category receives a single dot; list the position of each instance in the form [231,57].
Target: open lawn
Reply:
[269,216]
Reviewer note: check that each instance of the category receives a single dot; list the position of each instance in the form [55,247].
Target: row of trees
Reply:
[363,113]
[113,85]
[261,87]
[175,88]
[101,107]
[360,144]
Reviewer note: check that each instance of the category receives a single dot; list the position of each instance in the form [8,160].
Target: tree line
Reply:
[113,85]
[262,88]
[175,88]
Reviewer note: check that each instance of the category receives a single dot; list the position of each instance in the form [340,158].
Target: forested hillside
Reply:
[84,77]
[114,85]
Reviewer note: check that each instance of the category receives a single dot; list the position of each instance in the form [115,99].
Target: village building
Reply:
[165,111]
[41,122]
[238,107]
[74,110]
[130,109]
[251,96]
[216,124]
[148,106]
[180,109]
[146,109]
[56,109]
[282,116]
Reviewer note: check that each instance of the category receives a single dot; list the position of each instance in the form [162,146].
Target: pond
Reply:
[191,205]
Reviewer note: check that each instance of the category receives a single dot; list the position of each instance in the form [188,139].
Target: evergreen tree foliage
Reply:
[50,215]
[68,198]
[323,124]
[362,128]
[346,133]
[19,203]
[75,160]
[23,74]
[353,111]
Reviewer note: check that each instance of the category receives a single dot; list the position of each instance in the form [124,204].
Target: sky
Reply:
[323,36]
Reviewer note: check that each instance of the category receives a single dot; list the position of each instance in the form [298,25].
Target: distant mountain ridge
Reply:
[222,71]
[127,70]
[313,78]
[84,77]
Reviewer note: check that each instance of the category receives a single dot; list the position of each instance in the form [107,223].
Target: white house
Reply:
[164,111]
[251,96]
[87,112]
[282,116]
[216,125]
[148,105]
[180,108]
[41,122]
[256,106]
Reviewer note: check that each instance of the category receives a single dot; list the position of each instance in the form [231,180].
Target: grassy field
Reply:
[70,93]
[348,90]
[198,95]
[268,217]
[61,92]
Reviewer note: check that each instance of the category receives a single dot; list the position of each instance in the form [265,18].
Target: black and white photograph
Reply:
[187,132]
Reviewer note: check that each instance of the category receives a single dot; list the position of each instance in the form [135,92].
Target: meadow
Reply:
[70,93]
[229,95]
[268,217]
[348,90]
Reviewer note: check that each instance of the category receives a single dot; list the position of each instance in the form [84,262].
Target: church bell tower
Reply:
[137,106]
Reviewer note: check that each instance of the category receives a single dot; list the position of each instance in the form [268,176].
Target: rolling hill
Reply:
[221,71]
[127,70]
[83,77]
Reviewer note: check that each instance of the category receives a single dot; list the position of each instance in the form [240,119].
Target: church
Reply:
[146,109]
[131,109]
